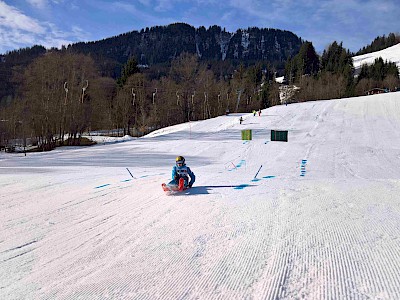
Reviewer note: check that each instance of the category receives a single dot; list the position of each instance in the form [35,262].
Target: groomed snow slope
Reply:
[391,54]
[76,225]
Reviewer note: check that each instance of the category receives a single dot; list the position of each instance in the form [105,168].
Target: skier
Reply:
[180,170]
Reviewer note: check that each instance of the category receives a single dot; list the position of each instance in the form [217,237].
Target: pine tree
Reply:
[379,70]
[337,60]
[306,62]
[129,69]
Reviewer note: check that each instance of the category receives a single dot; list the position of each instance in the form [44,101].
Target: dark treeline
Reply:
[380,43]
[332,75]
[60,94]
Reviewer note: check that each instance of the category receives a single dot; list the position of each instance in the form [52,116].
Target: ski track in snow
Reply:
[80,227]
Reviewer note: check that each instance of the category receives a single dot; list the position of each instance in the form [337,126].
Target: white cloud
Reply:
[19,30]
[127,7]
[41,4]
[141,15]
[12,18]
[164,5]
[38,3]
[145,2]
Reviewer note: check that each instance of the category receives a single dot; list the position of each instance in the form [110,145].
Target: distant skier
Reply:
[259,112]
[241,120]
[181,171]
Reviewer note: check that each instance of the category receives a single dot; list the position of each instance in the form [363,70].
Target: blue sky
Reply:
[52,23]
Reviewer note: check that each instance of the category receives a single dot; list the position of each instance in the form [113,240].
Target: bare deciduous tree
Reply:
[55,90]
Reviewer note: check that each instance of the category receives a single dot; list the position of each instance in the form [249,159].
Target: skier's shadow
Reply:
[203,190]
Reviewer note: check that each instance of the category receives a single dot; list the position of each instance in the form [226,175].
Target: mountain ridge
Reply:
[159,44]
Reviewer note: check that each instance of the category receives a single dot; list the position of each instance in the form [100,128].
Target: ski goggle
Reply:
[179,163]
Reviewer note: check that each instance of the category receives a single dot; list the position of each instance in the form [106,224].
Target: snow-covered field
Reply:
[391,54]
[320,221]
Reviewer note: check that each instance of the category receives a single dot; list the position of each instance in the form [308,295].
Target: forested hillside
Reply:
[160,44]
[156,47]
[140,81]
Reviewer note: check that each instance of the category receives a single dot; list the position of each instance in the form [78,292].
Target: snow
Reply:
[320,221]
[101,139]
[245,40]
[280,79]
[391,54]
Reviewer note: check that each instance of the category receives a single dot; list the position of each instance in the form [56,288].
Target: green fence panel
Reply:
[246,134]
[279,135]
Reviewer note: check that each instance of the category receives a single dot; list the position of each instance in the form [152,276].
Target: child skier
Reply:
[181,171]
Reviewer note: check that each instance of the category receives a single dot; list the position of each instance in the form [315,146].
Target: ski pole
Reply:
[257,172]
[130,173]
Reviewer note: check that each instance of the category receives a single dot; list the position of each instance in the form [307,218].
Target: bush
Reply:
[83,141]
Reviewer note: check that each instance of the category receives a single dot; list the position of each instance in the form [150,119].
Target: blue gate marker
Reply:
[240,163]
[101,186]
[303,167]
[240,187]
